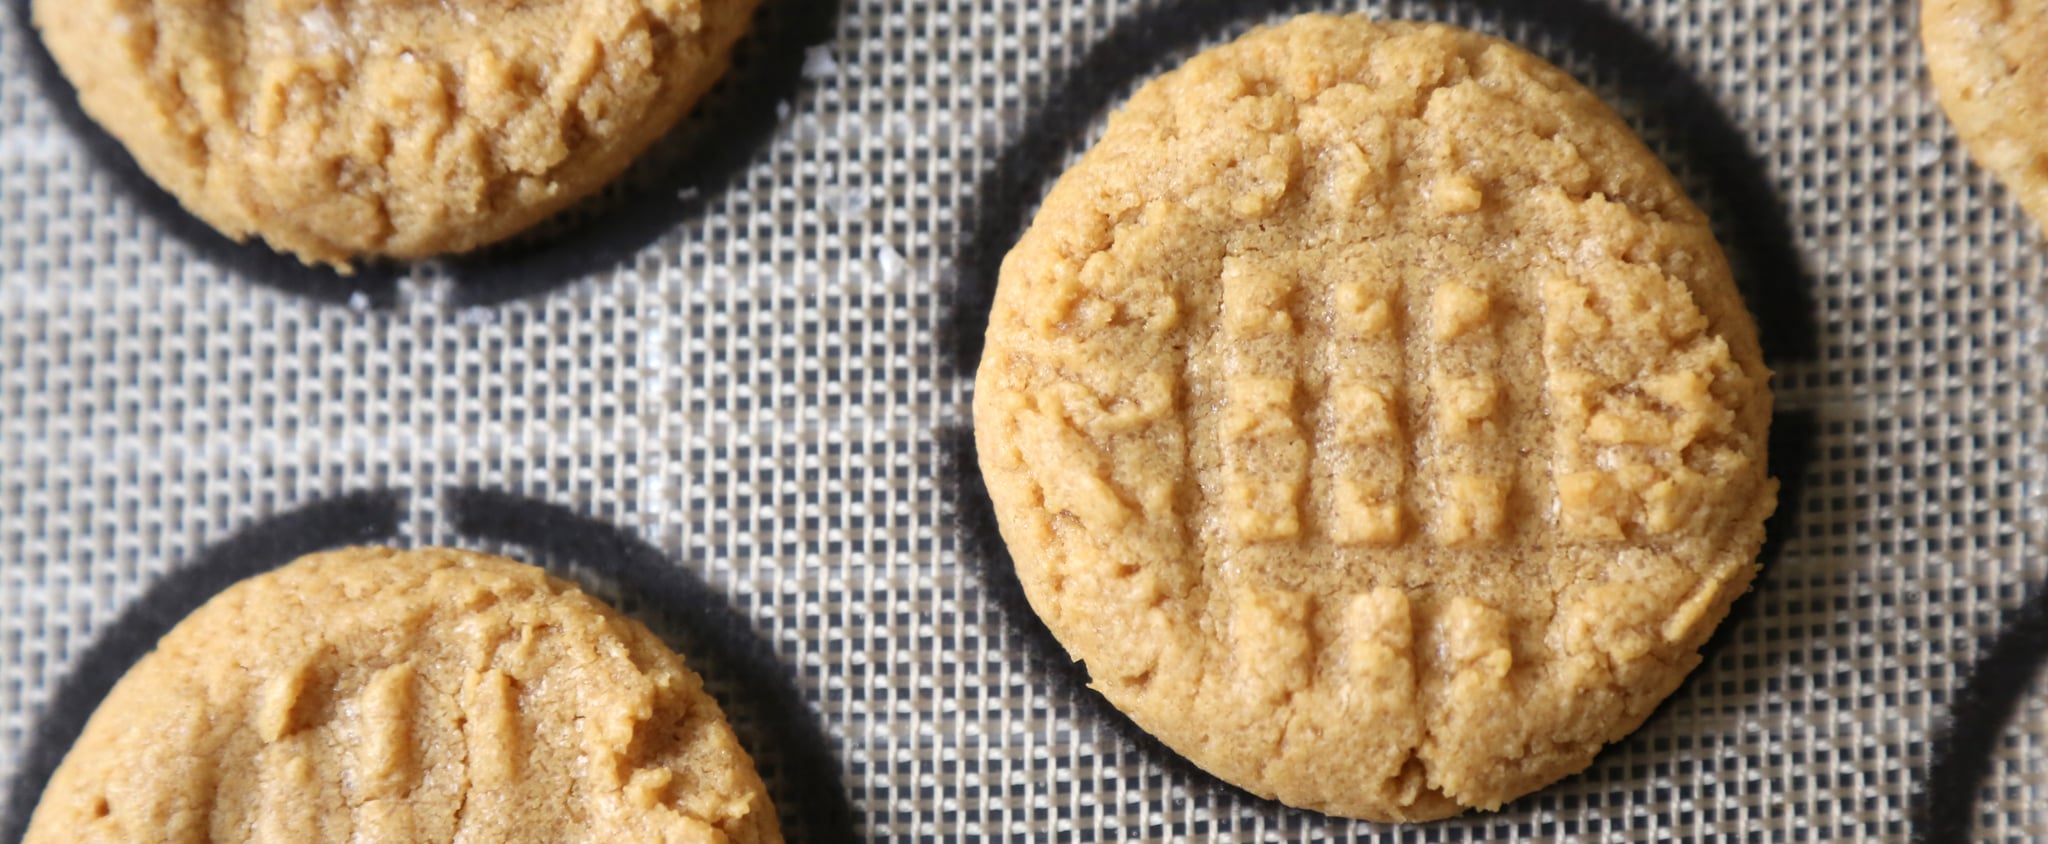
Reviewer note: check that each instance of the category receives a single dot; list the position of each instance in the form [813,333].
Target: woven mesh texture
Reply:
[759,395]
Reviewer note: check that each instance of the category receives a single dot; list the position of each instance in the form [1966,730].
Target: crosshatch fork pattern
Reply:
[764,394]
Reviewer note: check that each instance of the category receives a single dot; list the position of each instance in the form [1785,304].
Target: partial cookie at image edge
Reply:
[407,694]
[1988,63]
[360,131]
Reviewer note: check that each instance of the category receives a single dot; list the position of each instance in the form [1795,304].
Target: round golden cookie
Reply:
[1989,63]
[1376,418]
[431,695]
[338,129]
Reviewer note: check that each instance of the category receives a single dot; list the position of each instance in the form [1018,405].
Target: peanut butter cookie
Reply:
[1376,418]
[1988,60]
[432,695]
[338,129]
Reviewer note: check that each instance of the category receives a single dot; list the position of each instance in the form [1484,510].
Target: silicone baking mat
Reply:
[731,395]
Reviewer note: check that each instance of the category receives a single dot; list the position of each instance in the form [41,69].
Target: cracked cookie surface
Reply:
[339,129]
[1988,60]
[431,695]
[1376,418]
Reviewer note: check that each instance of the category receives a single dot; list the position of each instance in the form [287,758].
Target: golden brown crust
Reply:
[431,695]
[1988,60]
[1376,417]
[338,129]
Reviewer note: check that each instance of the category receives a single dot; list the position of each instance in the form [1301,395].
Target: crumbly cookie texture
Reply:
[1988,60]
[338,129]
[1376,418]
[432,695]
